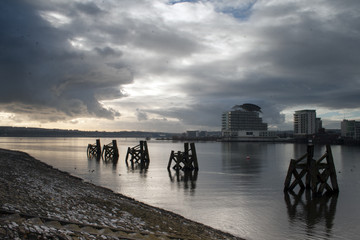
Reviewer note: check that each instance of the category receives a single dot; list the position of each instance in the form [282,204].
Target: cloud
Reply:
[106,51]
[141,116]
[89,8]
[294,56]
[43,70]
[183,61]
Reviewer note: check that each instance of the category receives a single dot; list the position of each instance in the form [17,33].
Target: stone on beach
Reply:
[40,202]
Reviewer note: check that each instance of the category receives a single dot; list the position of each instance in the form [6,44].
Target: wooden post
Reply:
[291,168]
[186,160]
[98,147]
[139,155]
[94,150]
[330,162]
[170,160]
[310,155]
[317,173]
[194,156]
[314,176]
[110,152]
[178,160]
[116,150]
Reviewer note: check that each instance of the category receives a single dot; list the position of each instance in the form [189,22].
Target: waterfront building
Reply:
[192,134]
[318,125]
[350,129]
[306,123]
[243,122]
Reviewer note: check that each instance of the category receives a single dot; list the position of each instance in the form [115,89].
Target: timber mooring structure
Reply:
[110,152]
[139,154]
[316,173]
[186,160]
[94,150]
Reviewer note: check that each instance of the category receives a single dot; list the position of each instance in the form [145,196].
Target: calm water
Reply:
[238,188]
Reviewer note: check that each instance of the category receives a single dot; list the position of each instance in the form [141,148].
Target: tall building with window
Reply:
[350,129]
[243,122]
[306,123]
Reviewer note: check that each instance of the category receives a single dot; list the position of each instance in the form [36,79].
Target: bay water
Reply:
[238,188]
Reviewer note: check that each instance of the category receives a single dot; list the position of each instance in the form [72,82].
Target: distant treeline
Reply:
[43,132]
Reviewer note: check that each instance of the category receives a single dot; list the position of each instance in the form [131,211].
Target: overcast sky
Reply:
[171,65]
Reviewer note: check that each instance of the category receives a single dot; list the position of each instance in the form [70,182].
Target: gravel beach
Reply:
[40,202]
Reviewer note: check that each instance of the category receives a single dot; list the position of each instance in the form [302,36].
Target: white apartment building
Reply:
[306,123]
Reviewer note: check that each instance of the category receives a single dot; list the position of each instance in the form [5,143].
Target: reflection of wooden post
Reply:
[311,210]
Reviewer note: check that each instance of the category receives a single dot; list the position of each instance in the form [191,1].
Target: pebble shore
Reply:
[40,202]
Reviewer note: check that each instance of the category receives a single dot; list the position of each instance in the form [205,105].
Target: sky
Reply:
[172,65]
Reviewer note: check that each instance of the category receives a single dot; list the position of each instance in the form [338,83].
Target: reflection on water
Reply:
[241,157]
[137,168]
[304,208]
[111,163]
[188,177]
[238,189]
[107,161]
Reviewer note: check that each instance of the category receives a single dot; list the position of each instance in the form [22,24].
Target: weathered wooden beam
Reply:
[301,158]
[291,168]
[139,154]
[194,156]
[330,161]
[317,173]
[110,152]
[94,150]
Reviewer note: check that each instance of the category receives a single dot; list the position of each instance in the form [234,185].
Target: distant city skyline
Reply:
[173,66]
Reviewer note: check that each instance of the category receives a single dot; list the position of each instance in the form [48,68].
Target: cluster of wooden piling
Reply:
[186,160]
[139,154]
[316,173]
[94,150]
[110,152]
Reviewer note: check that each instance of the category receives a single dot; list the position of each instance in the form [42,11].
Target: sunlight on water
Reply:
[238,189]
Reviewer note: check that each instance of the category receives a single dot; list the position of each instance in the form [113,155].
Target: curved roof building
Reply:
[244,122]
[248,107]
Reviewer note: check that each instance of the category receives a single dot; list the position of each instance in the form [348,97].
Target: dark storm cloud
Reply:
[106,51]
[88,8]
[201,115]
[299,57]
[64,60]
[44,76]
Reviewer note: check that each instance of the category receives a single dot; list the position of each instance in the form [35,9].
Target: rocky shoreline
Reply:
[40,202]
